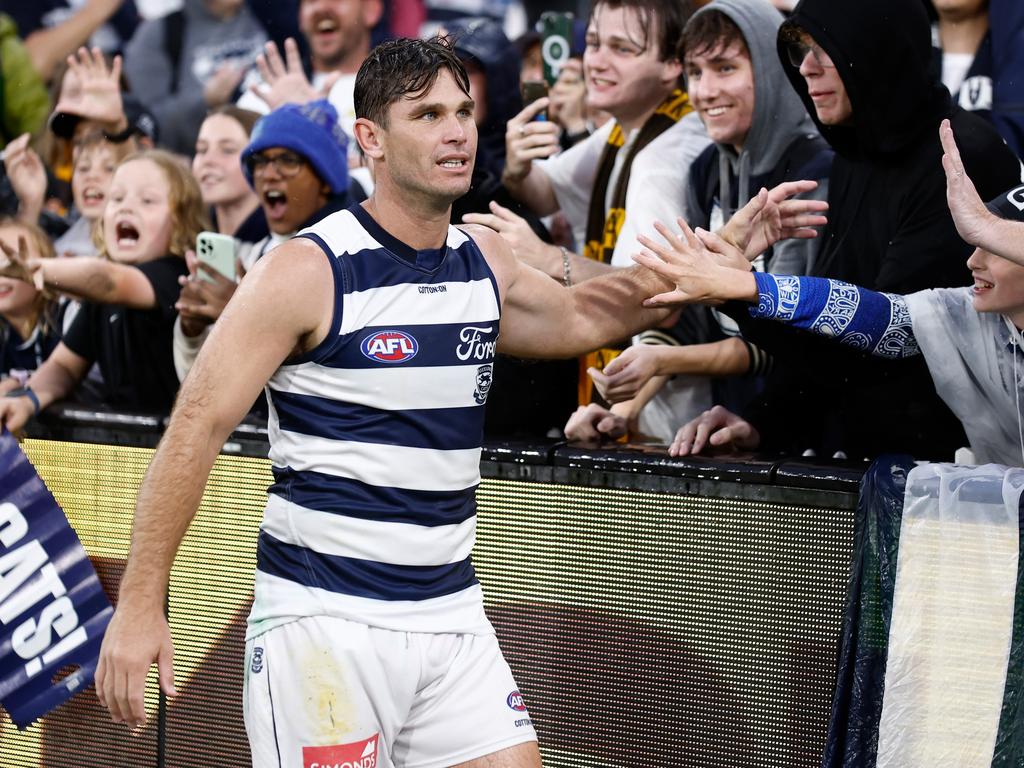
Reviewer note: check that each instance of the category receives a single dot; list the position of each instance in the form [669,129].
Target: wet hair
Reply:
[662,21]
[711,31]
[188,213]
[403,69]
[244,117]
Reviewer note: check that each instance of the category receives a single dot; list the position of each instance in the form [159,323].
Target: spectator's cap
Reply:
[140,121]
[1009,205]
[310,130]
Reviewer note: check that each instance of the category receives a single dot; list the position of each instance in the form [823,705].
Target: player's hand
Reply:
[624,377]
[970,215]
[284,80]
[717,428]
[526,140]
[592,423]
[132,643]
[699,274]
[515,230]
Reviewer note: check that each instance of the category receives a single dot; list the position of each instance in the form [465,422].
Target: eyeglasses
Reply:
[797,51]
[286,164]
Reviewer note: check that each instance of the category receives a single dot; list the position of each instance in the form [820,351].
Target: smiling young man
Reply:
[889,229]
[375,333]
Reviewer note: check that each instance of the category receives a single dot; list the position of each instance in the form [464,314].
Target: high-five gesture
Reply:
[706,270]
[284,80]
[93,91]
[771,216]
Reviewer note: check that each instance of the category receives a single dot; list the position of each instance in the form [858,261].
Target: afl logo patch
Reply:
[515,702]
[390,347]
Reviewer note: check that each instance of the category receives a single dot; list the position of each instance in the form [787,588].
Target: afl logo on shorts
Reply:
[515,702]
[390,347]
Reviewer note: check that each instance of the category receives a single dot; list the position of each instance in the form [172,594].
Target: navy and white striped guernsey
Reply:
[375,440]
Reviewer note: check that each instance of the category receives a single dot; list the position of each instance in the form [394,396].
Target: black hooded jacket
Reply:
[889,230]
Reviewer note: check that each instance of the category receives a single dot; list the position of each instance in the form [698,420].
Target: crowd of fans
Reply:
[131,127]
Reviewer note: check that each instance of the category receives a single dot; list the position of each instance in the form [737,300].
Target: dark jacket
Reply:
[889,230]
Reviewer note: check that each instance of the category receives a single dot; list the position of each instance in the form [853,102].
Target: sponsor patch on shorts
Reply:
[257,660]
[360,754]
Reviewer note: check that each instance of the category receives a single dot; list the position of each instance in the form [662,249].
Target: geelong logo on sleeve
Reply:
[390,347]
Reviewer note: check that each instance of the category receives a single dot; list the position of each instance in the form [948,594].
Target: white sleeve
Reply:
[186,348]
[657,184]
[572,175]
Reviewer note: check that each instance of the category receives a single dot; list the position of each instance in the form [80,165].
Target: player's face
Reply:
[429,144]
[623,73]
[137,219]
[998,285]
[216,164]
[721,84]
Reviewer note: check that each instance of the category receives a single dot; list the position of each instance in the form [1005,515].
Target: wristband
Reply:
[566,267]
[26,392]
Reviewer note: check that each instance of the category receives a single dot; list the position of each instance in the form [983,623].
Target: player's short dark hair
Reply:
[662,21]
[709,31]
[403,68]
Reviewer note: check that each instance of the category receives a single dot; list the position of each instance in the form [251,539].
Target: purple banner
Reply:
[53,611]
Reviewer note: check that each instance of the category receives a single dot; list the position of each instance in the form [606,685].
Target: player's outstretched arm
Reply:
[284,305]
[543,319]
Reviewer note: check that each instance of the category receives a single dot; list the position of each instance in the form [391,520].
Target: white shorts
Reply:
[323,692]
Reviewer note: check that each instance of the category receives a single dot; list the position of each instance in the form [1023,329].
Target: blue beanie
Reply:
[310,130]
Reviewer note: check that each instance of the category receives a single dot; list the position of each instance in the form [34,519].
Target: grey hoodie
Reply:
[779,120]
[207,43]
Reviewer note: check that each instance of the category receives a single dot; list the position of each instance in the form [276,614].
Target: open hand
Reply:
[771,216]
[515,230]
[699,274]
[969,212]
[17,264]
[28,177]
[92,90]
[717,428]
[284,80]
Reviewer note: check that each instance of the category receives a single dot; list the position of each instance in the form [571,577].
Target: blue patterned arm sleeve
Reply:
[874,322]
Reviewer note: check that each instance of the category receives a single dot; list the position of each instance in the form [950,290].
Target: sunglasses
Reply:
[797,51]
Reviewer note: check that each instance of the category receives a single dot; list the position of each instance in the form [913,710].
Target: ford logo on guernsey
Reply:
[515,701]
[390,347]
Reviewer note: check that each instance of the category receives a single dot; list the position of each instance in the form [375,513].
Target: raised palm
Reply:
[91,89]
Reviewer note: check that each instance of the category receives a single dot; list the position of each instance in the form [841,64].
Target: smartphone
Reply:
[555,34]
[218,251]
[533,90]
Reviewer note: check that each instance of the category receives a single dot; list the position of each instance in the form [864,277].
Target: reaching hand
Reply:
[285,81]
[771,216]
[92,91]
[699,274]
[592,423]
[18,265]
[624,377]
[717,428]
[527,140]
[520,236]
[970,215]
[28,177]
